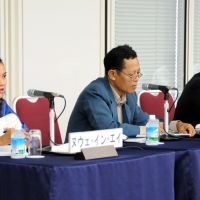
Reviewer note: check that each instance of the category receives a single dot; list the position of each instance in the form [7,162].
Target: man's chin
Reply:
[1,95]
[131,91]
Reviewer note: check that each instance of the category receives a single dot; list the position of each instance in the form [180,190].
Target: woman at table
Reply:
[8,118]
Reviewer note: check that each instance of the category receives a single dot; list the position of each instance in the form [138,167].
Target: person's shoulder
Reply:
[197,75]
[4,103]
[99,81]
[6,108]
[99,87]
[97,84]
[194,83]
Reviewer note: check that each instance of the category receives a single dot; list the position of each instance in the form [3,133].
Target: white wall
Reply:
[61,48]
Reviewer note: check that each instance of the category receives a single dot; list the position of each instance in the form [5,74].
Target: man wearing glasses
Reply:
[111,101]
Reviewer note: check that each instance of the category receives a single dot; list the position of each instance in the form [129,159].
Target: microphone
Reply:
[149,86]
[38,93]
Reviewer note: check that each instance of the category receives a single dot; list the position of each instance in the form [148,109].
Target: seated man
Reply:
[188,106]
[111,101]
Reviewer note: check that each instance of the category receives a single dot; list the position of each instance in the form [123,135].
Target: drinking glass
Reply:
[35,145]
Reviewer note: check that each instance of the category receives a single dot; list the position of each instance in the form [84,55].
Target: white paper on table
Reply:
[136,139]
[62,148]
[5,150]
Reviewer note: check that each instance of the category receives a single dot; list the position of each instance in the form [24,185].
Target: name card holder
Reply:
[97,152]
[97,138]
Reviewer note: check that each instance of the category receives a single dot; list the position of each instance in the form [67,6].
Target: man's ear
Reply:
[112,74]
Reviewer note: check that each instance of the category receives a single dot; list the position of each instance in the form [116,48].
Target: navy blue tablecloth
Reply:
[187,165]
[134,174]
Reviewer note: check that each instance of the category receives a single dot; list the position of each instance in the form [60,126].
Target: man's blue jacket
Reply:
[96,109]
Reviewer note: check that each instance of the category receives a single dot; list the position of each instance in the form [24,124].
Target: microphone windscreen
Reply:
[31,92]
[145,86]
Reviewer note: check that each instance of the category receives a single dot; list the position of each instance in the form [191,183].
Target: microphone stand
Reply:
[166,136]
[166,108]
[51,121]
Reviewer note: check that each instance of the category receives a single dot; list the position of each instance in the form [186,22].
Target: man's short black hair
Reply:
[114,59]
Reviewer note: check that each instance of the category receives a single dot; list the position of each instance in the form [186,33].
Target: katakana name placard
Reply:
[86,139]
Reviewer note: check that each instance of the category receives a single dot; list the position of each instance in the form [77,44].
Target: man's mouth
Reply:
[2,90]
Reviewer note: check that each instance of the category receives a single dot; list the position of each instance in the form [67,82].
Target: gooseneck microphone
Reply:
[149,86]
[38,93]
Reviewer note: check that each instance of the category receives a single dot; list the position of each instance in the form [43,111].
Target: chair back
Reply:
[153,103]
[34,112]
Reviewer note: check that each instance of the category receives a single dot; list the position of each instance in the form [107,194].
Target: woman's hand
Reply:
[6,137]
[27,136]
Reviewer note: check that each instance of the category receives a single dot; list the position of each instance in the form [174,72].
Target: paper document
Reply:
[137,139]
[63,149]
[5,150]
[176,134]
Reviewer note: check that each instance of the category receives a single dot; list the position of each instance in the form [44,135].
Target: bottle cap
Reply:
[18,133]
[152,117]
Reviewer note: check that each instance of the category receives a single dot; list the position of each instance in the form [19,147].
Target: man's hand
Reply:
[185,128]
[161,127]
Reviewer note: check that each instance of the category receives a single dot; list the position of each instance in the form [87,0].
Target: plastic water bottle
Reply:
[18,147]
[152,131]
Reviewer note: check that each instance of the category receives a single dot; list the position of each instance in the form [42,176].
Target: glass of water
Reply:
[35,146]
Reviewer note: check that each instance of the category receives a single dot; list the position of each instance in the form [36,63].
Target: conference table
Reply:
[164,172]
[187,165]
[134,174]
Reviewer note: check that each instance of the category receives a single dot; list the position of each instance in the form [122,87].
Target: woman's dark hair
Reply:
[1,107]
[114,59]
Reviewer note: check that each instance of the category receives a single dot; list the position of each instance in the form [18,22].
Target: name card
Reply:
[87,139]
